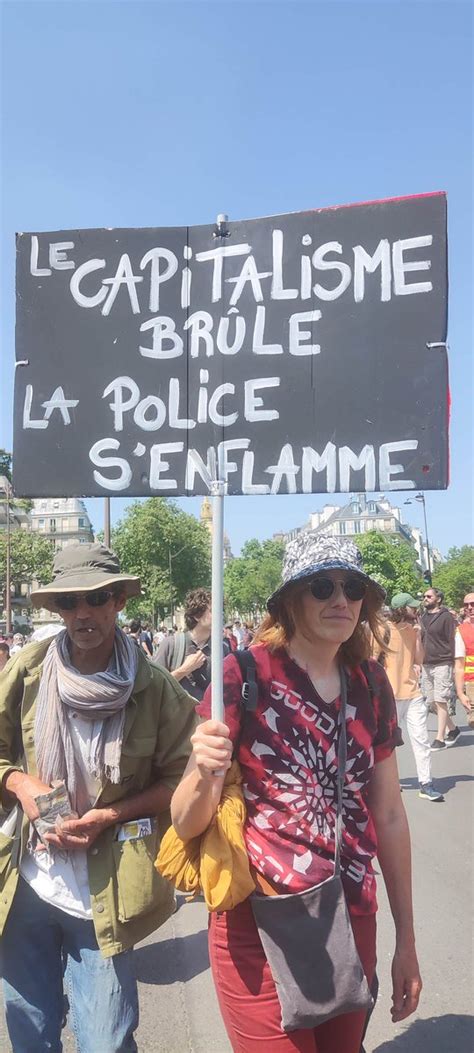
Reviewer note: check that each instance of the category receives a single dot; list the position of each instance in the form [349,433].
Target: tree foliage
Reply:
[392,562]
[6,469]
[251,578]
[149,534]
[31,558]
[6,464]
[455,577]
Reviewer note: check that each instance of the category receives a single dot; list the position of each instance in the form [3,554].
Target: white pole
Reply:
[217,492]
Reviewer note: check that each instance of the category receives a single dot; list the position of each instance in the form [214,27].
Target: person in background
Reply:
[139,636]
[4,654]
[437,636]
[464,659]
[17,643]
[147,637]
[88,710]
[403,665]
[229,636]
[238,633]
[314,635]
[187,656]
[248,635]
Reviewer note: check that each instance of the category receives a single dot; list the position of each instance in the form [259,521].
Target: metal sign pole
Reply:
[217,494]
[107,521]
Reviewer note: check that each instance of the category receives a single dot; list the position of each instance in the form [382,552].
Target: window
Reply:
[355,508]
[40,524]
[52,526]
[349,526]
[342,528]
[371,507]
[358,527]
[81,522]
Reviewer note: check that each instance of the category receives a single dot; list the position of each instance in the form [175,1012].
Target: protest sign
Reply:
[302,353]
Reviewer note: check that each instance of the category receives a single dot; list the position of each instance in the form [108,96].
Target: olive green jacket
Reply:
[129,898]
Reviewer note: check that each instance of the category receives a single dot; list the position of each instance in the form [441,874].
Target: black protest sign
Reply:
[302,353]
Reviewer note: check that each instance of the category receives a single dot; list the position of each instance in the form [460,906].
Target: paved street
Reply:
[178,1007]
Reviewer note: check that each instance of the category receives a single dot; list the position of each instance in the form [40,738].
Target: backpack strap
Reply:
[248,669]
[179,651]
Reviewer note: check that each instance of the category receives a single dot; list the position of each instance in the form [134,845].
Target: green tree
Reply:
[251,578]
[31,559]
[170,551]
[455,577]
[6,464]
[392,562]
[6,469]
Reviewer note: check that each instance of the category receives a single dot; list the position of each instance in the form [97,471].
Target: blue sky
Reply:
[157,114]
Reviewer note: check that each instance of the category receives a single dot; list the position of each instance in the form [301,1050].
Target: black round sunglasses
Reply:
[353,588]
[68,601]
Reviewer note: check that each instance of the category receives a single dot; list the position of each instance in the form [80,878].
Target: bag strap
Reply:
[341,771]
[179,651]
[248,668]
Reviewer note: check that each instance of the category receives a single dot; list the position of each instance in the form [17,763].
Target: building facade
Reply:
[64,520]
[361,515]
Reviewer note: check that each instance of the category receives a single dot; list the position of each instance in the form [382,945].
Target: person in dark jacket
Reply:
[437,634]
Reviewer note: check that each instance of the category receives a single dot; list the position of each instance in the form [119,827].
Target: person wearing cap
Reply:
[88,710]
[313,641]
[464,659]
[403,665]
[437,636]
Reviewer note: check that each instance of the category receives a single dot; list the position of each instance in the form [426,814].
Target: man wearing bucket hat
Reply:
[320,781]
[93,740]
[403,665]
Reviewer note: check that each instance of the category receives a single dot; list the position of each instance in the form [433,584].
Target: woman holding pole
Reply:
[293,964]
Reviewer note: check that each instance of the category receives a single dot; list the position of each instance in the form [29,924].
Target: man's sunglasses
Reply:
[469,604]
[68,601]
[323,588]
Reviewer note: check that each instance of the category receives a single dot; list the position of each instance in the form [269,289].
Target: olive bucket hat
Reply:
[84,568]
[311,553]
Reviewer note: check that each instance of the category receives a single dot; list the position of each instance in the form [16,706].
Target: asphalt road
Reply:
[179,1013]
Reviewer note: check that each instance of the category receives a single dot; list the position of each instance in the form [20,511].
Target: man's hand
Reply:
[407,983]
[25,788]
[192,662]
[74,834]
[465,701]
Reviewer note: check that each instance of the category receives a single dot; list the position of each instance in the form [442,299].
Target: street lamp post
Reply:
[421,498]
[5,485]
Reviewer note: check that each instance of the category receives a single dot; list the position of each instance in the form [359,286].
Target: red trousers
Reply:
[248,1000]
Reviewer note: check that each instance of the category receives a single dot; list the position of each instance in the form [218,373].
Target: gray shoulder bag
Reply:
[307,936]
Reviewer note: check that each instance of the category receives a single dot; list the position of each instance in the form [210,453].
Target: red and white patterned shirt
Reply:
[288,756]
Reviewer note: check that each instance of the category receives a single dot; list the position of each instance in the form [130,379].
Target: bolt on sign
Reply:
[303,353]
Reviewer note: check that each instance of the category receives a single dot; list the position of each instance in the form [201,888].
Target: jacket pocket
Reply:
[139,886]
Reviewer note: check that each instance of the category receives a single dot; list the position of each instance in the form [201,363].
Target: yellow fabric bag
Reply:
[215,863]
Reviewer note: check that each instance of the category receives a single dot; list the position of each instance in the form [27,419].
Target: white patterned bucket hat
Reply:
[312,553]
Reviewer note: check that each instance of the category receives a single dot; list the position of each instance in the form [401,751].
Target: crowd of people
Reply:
[106,732]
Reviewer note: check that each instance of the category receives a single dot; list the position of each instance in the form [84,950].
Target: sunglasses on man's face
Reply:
[353,588]
[70,600]
[470,603]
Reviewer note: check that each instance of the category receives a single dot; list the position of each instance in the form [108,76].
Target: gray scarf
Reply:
[97,696]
